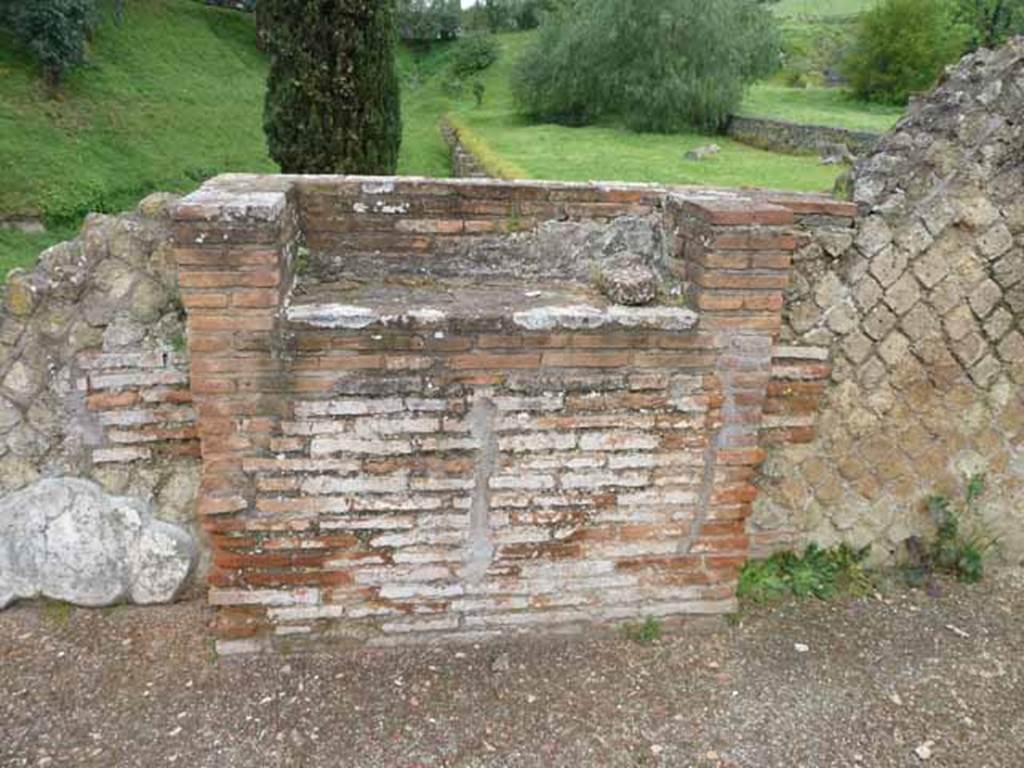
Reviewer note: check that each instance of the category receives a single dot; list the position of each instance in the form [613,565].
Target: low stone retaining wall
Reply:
[781,136]
[464,163]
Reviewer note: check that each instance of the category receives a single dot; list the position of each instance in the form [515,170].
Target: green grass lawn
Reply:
[609,152]
[818,106]
[820,8]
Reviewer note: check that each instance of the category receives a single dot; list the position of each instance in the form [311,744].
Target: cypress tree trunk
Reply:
[332,101]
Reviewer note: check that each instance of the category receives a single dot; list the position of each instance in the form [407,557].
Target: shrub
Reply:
[332,103]
[901,47]
[473,55]
[955,551]
[990,23]
[55,31]
[661,65]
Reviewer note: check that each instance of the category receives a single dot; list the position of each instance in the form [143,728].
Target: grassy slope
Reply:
[424,152]
[609,152]
[171,97]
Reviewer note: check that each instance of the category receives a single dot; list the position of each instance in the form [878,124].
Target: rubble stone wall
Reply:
[94,367]
[922,306]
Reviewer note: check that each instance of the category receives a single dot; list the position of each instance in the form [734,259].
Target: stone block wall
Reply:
[921,302]
[93,366]
[419,417]
[464,163]
[782,136]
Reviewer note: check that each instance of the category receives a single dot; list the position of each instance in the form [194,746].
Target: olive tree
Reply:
[659,65]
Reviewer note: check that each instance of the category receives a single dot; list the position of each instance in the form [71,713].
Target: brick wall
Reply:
[380,465]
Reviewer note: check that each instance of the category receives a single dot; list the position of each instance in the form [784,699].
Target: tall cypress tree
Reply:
[332,101]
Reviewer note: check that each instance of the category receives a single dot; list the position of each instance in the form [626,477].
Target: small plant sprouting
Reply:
[955,552]
[645,632]
[514,222]
[180,343]
[820,573]
[301,260]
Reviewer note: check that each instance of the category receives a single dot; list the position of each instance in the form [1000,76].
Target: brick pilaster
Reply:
[735,259]
[233,252]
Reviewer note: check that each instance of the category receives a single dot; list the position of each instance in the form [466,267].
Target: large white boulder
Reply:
[67,539]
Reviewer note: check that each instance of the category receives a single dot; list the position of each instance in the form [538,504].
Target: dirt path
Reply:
[878,681]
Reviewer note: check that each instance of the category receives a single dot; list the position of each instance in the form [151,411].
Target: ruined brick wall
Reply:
[921,308]
[93,366]
[418,418]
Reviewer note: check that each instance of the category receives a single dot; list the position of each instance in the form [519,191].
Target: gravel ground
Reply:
[908,680]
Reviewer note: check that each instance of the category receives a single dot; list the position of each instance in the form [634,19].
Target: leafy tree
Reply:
[55,31]
[901,47]
[504,15]
[332,102]
[991,22]
[428,20]
[661,65]
[474,54]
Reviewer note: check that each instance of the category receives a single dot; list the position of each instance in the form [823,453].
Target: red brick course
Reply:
[345,468]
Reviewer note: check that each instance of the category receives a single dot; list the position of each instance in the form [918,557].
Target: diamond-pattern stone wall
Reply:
[922,305]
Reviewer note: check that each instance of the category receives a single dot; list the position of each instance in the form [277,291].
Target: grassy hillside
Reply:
[175,95]
[424,152]
[171,97]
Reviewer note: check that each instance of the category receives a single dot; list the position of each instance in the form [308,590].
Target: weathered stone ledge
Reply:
[573,317]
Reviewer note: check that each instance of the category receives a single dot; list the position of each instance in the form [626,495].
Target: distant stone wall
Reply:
[922,306]
[782,136]
[464,163]
[93,366]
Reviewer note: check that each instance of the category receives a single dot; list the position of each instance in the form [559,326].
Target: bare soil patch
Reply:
[860,683]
